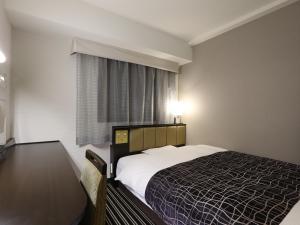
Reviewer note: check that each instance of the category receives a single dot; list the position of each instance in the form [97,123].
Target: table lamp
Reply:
[177,110]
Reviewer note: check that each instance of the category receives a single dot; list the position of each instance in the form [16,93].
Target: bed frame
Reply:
[133,139]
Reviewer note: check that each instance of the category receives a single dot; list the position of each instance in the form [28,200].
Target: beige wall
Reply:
[5,45]
[243,88]
[44,92]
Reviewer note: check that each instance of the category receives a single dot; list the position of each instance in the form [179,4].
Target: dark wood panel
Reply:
[38,187]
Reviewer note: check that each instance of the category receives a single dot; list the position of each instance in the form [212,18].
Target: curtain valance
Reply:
[100,50]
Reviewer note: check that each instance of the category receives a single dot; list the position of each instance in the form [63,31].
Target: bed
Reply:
[208,185]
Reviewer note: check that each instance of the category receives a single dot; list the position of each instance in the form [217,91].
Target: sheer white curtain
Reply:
[111,92]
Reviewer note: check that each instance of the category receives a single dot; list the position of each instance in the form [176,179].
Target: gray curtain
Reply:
[111,92]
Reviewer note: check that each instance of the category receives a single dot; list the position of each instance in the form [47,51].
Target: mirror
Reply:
[3,80]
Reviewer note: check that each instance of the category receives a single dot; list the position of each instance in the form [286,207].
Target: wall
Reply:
[5,45]
[244,88]
[44,92]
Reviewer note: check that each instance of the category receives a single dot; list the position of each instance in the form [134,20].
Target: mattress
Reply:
[135,171]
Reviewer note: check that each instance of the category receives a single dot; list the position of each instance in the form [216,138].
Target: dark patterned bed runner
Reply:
[225,188]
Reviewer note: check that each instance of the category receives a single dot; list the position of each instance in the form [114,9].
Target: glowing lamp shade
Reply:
[2,57]
[177,108]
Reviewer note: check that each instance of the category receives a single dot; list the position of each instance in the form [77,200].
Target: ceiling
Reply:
[191,20]
[164,29]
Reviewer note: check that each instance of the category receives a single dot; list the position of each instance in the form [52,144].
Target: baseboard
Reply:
[36,142]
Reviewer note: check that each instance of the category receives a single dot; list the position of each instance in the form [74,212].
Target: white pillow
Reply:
[159,150]
[208,148]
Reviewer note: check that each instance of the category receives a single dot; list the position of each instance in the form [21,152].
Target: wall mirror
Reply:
[3,80]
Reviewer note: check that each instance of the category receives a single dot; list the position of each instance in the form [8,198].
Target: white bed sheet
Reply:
[135,171]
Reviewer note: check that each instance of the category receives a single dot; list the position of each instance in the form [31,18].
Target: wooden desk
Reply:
[38,187]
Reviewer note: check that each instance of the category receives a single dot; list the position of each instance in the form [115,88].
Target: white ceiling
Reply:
[164,29]
[76,18]
[191,20]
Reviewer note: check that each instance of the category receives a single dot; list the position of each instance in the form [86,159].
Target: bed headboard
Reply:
[129,140]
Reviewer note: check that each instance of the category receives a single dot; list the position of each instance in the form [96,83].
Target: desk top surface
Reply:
[38,186]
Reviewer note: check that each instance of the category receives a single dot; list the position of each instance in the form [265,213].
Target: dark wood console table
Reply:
[38,186]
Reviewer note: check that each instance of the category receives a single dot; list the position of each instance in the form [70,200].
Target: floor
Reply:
[121,209]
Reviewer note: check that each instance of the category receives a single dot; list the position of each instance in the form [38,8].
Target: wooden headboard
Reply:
[129,140]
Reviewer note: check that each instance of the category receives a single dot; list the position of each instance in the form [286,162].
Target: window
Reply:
[111,92]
